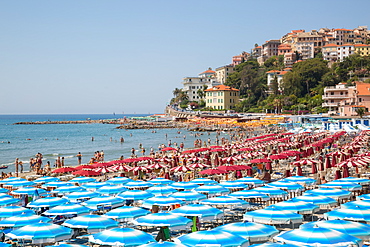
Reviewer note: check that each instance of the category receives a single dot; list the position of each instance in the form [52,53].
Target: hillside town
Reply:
[211,90]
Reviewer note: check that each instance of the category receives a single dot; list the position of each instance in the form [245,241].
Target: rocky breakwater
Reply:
[63,122]
[151,125]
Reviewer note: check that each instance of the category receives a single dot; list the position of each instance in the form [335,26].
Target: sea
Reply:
[66,140]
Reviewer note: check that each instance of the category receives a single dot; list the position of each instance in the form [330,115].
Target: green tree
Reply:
[360,111]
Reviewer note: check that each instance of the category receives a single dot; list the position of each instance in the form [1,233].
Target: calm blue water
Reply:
[66,140]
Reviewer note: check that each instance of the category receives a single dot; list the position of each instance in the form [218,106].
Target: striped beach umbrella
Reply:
[8,201]
[300,180]
[342,185]
[23,220]
[10,211]
[126,213]
[184,185]
[92,223]
[269,244]
[64,190]
[363,197]
[81,196]
[173,221]
[212,189]
[298,207]
[12,179]
[333,193]
[249,194]
[361,203]
[20,183]
[224,201]
[355,229]
[137,184]
[3,190]
[31,191]
[55,184]
[272,192]
[82,180]
[212,238]
[68,209]
[161,201]
[160,181]
[135,195]
[272,215]
[111,190]
[253,181]
[252,231]
[204,212]
[93,186]
[46,179]
[127,237]
[104,202]
[323,202]
[47,202]
[41,233]
[317,236]
[286,185]
[362,181]
[119,180]
[162,244]
[202,181]
[356,213]
[189,196]
[161,190]
[233,185]
[70,245]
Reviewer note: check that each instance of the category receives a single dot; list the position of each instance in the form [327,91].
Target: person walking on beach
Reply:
[21,166]
[16,163]
[79,158]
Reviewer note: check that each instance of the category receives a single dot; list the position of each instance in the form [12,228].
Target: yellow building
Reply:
[222,97]
[362,49]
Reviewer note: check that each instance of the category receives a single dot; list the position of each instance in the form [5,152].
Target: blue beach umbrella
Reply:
[161,190]
[55,184]
[41,233]
[363,197]
[81,196]
[361,181]
[162,244]
[12,179]
[300,180]
[356,213]
[342,185]
[47,202]
[286,185]
[82,180]
[127,237]
[233,185]
[272,215]
[212,189]
[70,245]
[224,201]
[3,190]
[184,185]
[20,183]
[119,180]
[204,212]
[173,221]
[299,207]
[268,244]
[23,220]
[5,245]
[202,181]
[64,190]
[31,191]
[135,195]
[253,181]
[111,190]
[323,202]
[361,203]
[10,211]
[355,229]
[103,201]
[212,238]
[93,186]
[249,194]
[92,223]
[161,201]
[252,231]
[160,181]
[317,236]
[271,191]
[188,196]
[8,201]
[126,213]
[329,192]
[138,184]
[46,179]
[2,195]
[68,209]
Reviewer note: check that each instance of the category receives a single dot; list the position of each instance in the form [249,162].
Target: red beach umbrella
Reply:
[87,173]
[155,166]
[180,169]
[243,167]
[64,169]
[213,171]
[84,167]
[278,157]
[227,168]
[168,149]
[260,161]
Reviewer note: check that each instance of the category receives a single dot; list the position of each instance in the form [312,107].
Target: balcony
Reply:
[338,97]
[330,104]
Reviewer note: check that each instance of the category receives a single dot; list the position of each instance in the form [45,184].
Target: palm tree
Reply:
[176,92]
[360,111]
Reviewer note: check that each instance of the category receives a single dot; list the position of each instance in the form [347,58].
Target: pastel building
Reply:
[222,97]
[362,49]
[271,75]
[330,53]
[345,51]
[222,73]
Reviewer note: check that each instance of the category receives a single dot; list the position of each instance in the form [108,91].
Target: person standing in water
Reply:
[79,157]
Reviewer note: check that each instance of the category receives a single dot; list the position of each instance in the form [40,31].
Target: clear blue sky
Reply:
[87,56]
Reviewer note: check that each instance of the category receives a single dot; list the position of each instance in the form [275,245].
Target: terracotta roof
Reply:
[363,88]
[347,45]
[330,45]
[342,29]
[361,45]
[272,71]
[222,88]
[283,72]
[207,72]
